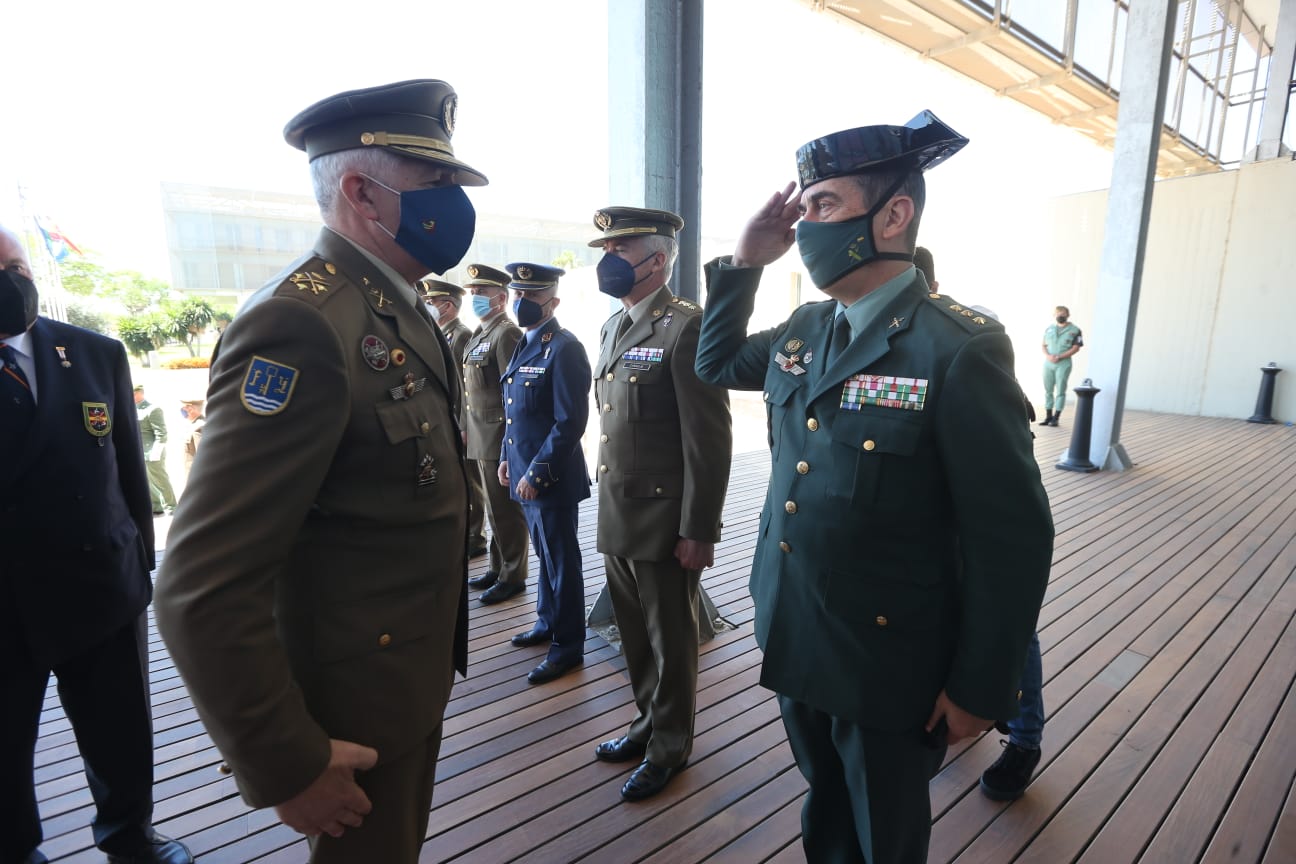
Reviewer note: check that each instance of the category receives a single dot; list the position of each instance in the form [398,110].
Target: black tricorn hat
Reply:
[411,118]
[635,221]
[480,274]
[921,143]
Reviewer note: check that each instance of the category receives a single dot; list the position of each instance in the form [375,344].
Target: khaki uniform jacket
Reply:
[314,583]
[486,356]
[666,443]
[457,336]
[905,542]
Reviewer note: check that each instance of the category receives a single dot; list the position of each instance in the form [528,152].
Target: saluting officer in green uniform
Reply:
[443,300]
[486,356]
[1061,342]
[905,542]
[313,594]
[663,469]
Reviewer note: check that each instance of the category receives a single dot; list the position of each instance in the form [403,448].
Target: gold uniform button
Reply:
[384,640]
[881,621]
[602,469]
[510,380]
[603,438]
[634,379]
[790,506]
[224,768]
[610,376]
[424,427]
[812,424]
[869,445]
[783,544]
[607,409]
[803,467]
[524,383]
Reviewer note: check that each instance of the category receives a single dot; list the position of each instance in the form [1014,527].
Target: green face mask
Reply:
[830,250]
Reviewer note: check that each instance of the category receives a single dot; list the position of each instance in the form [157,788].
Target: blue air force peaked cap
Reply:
[410,118]
[921,143]
[533,277]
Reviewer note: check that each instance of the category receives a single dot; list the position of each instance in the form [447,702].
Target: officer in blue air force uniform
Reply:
[546,405]
[905,541]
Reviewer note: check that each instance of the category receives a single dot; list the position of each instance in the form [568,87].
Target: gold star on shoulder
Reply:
[310,281]
[895,322]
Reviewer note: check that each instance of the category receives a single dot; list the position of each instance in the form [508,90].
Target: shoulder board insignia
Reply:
[267,386]
[970,320]
[309,280]
[956,307]
[934,296]
[687,304]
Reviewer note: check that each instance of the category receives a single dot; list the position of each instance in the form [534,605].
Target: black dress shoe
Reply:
[160,850]
[478,551]
[548,670]
[648,779]
[35,857]
[620,750]
[485,580]
[500,592]
[531,637]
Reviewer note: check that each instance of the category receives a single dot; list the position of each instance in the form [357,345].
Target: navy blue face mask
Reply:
[616,276]
[436,225]
[830,250]
[528,311]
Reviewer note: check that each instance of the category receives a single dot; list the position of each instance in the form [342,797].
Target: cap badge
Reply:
[472,271]
[449,110]
[309,281]
[603,220]
[524,272]
[375,353]
[429,225]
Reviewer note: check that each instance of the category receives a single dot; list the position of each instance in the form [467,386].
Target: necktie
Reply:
[622,327]
[13,373]
[17,406]
[840,338]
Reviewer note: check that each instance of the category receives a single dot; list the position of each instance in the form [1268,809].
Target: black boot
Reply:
[1048,419]
[1054,418]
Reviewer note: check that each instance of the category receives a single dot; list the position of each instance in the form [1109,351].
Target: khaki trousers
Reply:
[508,542]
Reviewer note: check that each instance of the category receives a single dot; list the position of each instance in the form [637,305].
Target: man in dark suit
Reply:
[546,404]
[905,541]
[443,300]
[663,468]
[77,535]
[313,595]
[486,356]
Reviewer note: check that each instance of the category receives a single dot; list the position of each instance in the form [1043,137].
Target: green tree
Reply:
[85,315]
[567,260]
[84,277]
[189,319]
[137,292]
[222,319]
[144,333]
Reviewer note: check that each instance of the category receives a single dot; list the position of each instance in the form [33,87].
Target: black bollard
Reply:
[1077,455]
[1264,401]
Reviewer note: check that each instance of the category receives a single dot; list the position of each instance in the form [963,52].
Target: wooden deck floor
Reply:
[1169,662]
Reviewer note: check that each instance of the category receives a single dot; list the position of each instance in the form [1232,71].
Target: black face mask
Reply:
[19,302]
[1061,319]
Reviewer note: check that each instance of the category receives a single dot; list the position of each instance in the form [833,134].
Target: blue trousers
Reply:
[560,604]
[1027,728]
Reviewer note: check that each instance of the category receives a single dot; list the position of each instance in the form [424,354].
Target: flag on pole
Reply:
[56,242]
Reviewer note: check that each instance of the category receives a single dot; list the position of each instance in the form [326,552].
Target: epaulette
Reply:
[685,304]
[314,281]
[972,320]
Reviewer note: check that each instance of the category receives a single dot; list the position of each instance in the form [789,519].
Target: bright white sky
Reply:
[106,100]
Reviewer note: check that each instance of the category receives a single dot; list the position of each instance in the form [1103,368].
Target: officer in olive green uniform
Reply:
[313,593]
[443,300]
[905,541]
[663,468]
[153,436]
[1061,342]
[486,356]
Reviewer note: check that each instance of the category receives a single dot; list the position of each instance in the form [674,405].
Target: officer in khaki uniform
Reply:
[663,468]
[313,592]
[486,356]
[443,301]
[905,541]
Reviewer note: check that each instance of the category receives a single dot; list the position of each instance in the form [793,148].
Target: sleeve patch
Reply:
[267,386]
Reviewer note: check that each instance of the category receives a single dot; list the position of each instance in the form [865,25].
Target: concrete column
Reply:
[1281,66]
[1149,37]
[655,117]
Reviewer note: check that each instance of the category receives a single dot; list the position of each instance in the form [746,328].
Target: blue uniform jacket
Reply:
[905,541]
[546,406]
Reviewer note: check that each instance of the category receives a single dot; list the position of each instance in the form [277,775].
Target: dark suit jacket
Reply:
[77,531]
[546,405]
[314,582]
[902,550]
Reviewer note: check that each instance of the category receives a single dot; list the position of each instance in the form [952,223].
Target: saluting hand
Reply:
[694,554]
[334,801]
[526,491]
[770,233]
[962,724]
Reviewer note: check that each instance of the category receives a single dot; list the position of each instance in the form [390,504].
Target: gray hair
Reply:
[327,170]
[914,186]
[658,243]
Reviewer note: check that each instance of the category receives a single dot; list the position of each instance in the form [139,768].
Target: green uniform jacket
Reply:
[457,336]
[153,431]
[313,586]
[666,444]
[900,551]
[486,356]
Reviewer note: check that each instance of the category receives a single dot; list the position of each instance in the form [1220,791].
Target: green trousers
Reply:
[1055,384]
[160,486]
